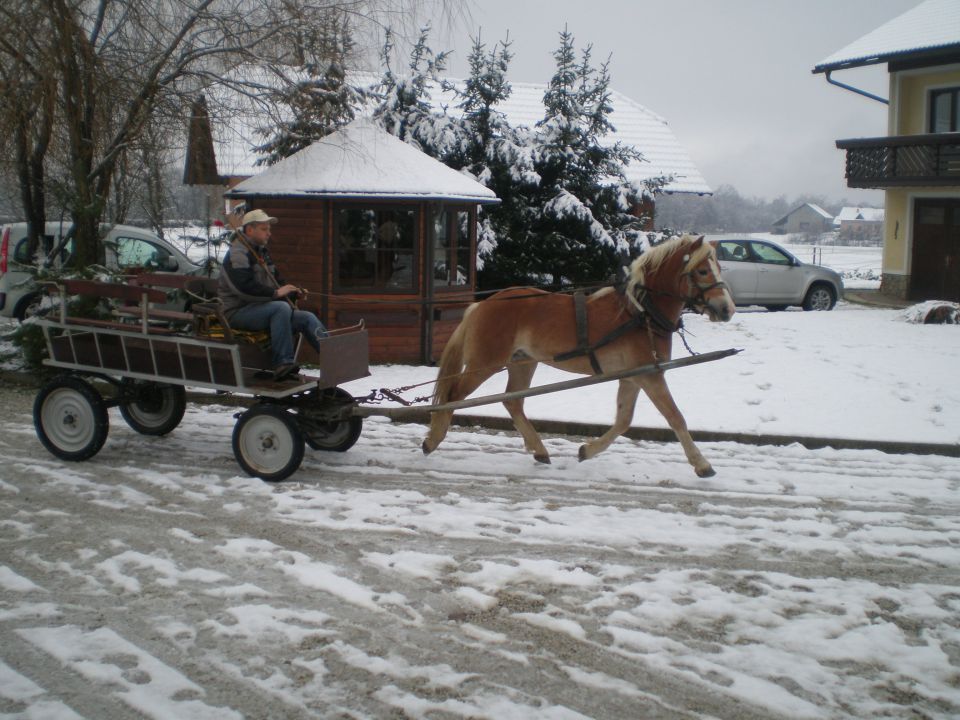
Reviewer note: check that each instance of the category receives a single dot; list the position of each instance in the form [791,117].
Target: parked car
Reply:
[126,248]
[760,272]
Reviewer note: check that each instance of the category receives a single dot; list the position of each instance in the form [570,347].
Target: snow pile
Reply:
[932,312]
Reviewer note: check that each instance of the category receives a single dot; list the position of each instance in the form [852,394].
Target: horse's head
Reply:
[682,272]
[705,290]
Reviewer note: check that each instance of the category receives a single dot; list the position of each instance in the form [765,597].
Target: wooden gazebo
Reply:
[375,230]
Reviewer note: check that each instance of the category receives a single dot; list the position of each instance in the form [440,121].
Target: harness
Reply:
[645,315]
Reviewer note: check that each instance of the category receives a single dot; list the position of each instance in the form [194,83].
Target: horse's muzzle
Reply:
[720,309]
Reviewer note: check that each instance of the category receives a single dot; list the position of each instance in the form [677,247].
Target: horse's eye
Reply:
[703,272]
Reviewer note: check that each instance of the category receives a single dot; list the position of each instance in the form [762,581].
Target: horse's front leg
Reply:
[656,389]
[626,402]
[520,376]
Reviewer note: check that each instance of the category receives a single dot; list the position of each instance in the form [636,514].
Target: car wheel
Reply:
[820,297]
[27,307]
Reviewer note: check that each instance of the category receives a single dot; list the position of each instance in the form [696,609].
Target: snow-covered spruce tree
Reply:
[579,223]
[492,151]
[404,108]
[314,97]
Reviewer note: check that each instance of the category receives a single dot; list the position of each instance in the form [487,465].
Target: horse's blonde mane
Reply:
[654,258]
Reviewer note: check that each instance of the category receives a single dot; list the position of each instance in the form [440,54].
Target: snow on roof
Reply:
[634,125]
[930,25]
[816,208]
[848,214]
[361,159]
[646,131]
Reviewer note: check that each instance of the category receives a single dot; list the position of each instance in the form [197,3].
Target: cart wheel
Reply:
[334,436]
[267,443]
[156,408]
[338,437]
[70,418]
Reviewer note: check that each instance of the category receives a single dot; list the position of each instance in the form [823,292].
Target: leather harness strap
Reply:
[583,335]
[650,318]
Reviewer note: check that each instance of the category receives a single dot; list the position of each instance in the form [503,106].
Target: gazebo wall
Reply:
[302,246]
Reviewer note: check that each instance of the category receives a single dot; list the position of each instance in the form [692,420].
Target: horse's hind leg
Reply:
[520,376]
[659,394]
[626,402]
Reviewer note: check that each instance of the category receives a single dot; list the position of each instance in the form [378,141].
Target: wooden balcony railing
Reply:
[903,161]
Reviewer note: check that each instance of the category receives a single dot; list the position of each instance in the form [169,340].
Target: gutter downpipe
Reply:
[853,89]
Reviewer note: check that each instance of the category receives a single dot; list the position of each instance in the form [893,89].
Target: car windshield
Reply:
[769,254]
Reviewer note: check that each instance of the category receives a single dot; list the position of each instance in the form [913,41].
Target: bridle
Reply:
[697,302]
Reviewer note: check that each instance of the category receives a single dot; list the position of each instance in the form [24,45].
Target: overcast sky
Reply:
[732,77]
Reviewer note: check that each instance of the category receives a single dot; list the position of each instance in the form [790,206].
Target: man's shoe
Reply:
[282,372]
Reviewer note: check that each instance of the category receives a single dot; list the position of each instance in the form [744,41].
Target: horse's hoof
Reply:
[582,453]
[545,459]
[426,448]
[706,472]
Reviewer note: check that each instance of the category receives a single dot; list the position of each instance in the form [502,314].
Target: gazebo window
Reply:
[451,248]
[375,249]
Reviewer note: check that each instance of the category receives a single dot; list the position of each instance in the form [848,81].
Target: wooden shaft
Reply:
[402,412]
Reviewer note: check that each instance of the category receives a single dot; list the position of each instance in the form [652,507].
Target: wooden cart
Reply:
[143,357]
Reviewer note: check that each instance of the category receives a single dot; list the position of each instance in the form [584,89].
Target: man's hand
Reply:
[288,291]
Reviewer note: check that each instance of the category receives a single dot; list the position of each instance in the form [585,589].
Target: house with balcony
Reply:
[917,164]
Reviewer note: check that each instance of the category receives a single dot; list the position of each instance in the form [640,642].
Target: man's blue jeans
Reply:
[282,321]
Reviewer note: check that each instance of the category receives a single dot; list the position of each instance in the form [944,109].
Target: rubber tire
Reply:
[341,436]
[70,418]
[20,312]
[267,443]
[820,297]
[144,415]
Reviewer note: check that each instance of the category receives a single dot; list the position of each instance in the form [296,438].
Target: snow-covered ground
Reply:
[156,581]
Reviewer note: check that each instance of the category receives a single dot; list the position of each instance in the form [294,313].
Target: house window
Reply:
[451,248]
[375,249]
[945,110]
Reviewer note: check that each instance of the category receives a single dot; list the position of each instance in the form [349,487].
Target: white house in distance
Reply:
[808,218]
[859,226]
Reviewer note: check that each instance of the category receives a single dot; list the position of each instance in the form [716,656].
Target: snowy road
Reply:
[155,581]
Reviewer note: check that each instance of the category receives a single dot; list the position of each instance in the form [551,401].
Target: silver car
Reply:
[760,272]
[126,248]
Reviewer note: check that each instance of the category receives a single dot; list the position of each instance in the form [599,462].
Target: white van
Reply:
[126,248]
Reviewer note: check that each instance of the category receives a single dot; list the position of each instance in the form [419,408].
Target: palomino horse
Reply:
[520,327]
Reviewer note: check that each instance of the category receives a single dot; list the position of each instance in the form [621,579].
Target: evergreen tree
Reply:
[577,224]
[317,100]
[404,109]
[493,152]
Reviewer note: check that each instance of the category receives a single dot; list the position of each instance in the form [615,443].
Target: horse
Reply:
[618,328]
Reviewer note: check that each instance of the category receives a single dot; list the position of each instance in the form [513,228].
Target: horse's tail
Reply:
[451,362]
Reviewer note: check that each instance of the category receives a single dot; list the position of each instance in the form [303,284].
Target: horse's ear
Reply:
[698,242]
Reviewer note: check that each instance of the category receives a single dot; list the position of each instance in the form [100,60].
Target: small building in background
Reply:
[376,231]
[859,226]
[808,219]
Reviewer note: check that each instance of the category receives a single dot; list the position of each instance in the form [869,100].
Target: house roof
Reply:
[635,125]
[816,208]
[362,160]
[848,214]
[931,28]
